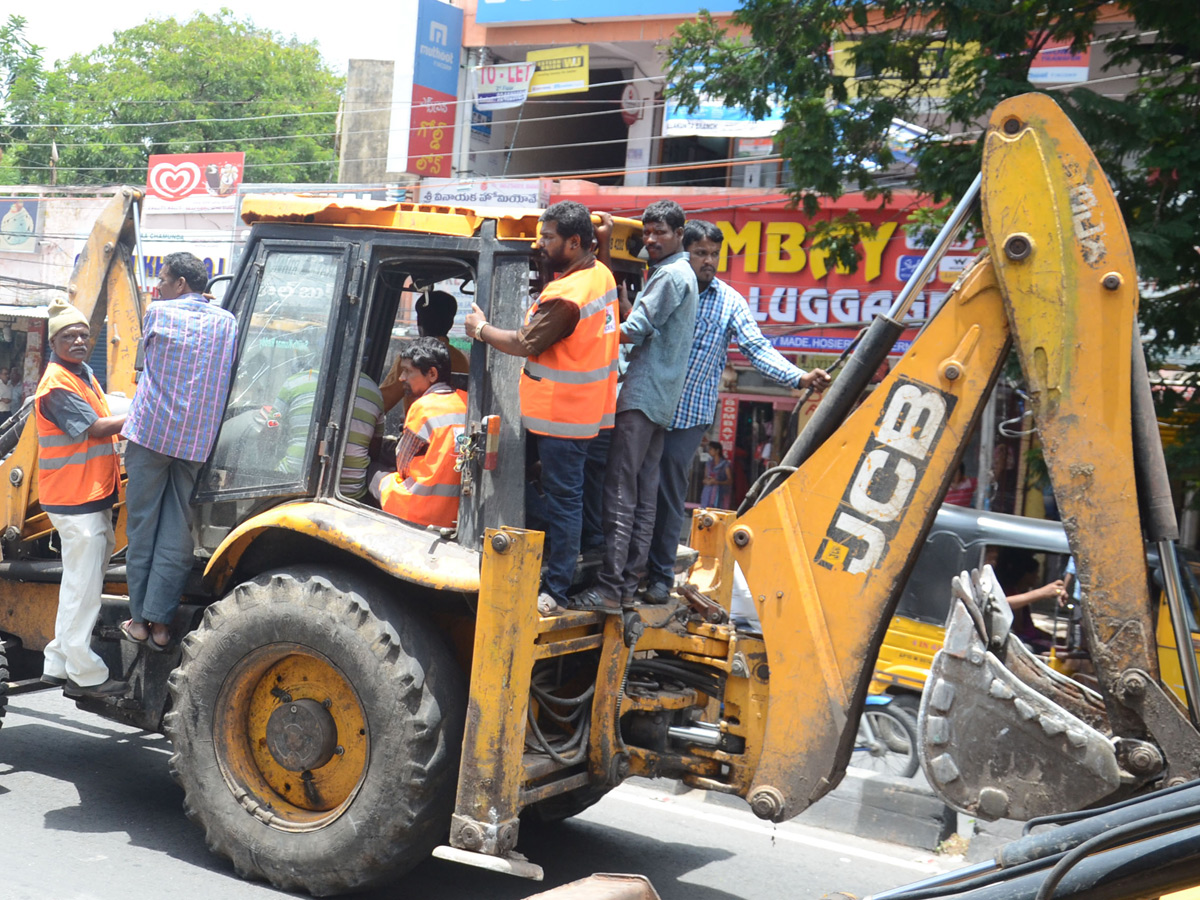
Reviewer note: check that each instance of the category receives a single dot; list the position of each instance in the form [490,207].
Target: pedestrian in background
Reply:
[718,479]
[189,345]
[79,477]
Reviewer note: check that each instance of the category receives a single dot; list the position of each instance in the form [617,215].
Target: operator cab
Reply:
[327,292]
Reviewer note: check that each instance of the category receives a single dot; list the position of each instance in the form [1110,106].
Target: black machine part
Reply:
[1133,848]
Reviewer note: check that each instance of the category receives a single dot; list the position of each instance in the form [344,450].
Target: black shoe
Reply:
[592,600]
[657,593]
[107,688]
[53,680]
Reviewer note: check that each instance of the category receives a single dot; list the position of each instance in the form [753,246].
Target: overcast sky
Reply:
[72,26]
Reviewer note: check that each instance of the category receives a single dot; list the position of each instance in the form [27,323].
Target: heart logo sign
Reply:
[174,182]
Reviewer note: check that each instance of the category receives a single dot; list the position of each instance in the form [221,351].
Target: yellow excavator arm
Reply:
[1059,280]
[104,288]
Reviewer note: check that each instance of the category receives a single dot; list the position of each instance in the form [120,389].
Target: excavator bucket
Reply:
[1003,735]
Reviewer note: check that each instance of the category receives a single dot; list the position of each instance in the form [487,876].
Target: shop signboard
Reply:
[18,225]
[560,70]
[712,118]
[485,194]
[193,182]
[211,246]
[806,304]
[495,12]
[435,88]
[1059,65]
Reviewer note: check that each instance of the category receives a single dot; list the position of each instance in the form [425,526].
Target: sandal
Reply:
[593,601]
[155,645]
[126,634]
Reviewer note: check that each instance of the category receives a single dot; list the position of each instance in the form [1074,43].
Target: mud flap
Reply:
[992,745]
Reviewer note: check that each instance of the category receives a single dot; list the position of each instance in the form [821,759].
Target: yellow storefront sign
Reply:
[560,70]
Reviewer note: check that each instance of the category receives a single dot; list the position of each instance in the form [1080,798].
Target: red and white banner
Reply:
[193,182]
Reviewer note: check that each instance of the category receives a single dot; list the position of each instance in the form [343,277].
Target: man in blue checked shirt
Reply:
[173,420]
[721,316]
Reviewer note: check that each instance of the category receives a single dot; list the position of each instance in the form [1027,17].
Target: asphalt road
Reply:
[90,812]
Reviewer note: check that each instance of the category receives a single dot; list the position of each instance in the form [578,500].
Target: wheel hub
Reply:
[301,735]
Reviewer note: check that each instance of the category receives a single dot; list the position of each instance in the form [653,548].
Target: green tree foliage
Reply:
[945,64]
[214,83]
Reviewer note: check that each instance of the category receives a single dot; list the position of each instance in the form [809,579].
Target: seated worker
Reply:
[425,488]
[363,439]
[435,317]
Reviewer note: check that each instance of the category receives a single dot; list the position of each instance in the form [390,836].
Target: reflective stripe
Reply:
[561,429]
[451,420]
[569,376]
[75,459]
[432,490]
[60,440]
[597,305]
[608,420]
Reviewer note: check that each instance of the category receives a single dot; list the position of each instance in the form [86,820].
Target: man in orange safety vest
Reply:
[568,387]
[79,477]
[425,488]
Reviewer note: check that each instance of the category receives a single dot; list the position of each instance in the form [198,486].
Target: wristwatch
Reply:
[479,332]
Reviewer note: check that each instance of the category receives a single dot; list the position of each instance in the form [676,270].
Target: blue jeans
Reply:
[159,527]
[563,464]
[593,490]
[674,474]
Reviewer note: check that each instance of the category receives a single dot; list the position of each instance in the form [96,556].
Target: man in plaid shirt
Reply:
[189,347]
[721,316]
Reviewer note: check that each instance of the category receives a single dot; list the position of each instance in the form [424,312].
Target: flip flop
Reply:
[154,645]
[128,635]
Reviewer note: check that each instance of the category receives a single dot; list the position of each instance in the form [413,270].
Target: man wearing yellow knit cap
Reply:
[78,479]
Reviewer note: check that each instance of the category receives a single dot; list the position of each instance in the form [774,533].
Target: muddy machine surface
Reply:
[352,693]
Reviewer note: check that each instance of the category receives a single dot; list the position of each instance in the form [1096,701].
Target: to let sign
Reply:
[502,87]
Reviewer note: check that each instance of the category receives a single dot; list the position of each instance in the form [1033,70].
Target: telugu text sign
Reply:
[435,88]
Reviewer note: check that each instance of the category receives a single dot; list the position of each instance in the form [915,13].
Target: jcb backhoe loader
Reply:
[353,692]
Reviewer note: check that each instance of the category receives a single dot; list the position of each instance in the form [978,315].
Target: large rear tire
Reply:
[316,732]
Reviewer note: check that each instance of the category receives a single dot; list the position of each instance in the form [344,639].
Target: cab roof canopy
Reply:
[514,224]
[353,213]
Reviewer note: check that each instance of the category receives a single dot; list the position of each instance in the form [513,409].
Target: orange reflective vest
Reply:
[73,471]
[569,390]
[427,493]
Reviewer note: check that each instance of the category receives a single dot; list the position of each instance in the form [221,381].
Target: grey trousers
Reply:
[675,471]
[159,527]
[630,498]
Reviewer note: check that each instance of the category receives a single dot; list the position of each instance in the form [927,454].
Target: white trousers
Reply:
[87,545]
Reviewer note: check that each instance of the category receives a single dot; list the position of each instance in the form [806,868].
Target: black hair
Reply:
[426,353]
[571,219]
[716,445]
[699,230]
[666,211]
[189,267]
[435,313]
